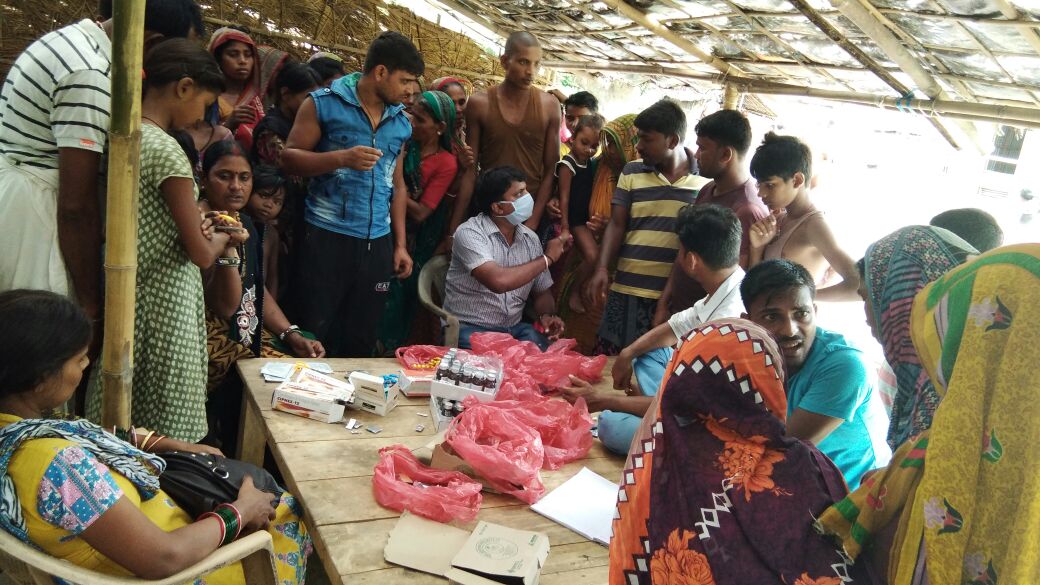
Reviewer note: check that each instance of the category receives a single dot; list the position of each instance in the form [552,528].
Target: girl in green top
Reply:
[174,242]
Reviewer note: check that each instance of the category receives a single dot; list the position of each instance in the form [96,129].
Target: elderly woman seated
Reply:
[81,494]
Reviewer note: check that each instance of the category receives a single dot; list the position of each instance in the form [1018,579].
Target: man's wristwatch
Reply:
[292,329]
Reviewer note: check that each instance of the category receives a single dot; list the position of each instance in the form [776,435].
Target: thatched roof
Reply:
[961,51]
[962,59]
[301,27]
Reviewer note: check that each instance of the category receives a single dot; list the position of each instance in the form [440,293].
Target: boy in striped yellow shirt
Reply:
[641,234]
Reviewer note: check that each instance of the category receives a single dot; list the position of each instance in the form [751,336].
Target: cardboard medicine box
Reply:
[301,401]
[489,555]
[416,383]
[312,395]
[371,394]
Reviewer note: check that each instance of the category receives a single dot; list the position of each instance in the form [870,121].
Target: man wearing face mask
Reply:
[497,262]
[831,400]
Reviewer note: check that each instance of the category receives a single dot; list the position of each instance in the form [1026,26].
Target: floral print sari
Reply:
[965,493]
[714,491]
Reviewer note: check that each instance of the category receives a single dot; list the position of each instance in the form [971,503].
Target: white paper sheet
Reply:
[585,503]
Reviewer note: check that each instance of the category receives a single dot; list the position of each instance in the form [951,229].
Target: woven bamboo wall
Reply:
[301,27]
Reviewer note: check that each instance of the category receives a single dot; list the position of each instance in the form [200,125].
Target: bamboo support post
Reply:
[730,96]
[124,155]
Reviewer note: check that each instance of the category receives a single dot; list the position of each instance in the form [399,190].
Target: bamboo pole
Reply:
[858,54]
[665,33]
[855,11]
[730,96]
[124,155]
[1020,116]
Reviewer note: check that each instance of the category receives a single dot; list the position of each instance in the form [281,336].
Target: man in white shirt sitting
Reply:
[709,252]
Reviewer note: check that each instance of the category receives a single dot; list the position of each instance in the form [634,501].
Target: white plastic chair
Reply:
[431,281]
[25,565]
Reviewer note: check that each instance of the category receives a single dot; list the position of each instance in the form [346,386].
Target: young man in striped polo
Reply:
[641,233]
[54,117]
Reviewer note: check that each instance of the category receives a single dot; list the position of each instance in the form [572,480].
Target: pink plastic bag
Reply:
[504,451]
[531,370]
[565,429]
[400,482]
[420,357]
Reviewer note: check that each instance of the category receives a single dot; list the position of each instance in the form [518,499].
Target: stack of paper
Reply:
[585,503]
[280,371]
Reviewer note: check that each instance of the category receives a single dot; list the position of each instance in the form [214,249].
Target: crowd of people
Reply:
[287,208]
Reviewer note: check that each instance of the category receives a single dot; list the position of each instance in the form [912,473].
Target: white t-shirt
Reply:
[723,303]
[57,95]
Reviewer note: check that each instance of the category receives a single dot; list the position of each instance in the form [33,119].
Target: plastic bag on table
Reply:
[400,482]
[504,451]
[565,429]
[549,369]
[420,357]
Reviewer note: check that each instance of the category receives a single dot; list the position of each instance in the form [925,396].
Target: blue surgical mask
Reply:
[522,210]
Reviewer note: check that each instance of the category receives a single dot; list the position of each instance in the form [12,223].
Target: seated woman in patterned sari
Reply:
[714,490]
[80,494]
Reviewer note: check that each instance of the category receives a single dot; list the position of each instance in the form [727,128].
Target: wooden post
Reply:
[124,154]
[730,96]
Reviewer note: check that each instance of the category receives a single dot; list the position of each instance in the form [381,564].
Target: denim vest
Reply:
[345,201]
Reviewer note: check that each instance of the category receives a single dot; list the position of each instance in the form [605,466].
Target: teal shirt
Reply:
[835,382]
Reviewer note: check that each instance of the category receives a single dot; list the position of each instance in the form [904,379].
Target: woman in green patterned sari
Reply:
[429,169]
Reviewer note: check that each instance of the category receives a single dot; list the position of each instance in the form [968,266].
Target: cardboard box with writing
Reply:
[416,383]
[490,555]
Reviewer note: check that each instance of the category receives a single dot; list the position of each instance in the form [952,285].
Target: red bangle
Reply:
[223,527]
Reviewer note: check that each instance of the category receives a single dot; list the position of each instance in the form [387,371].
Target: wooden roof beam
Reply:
[855,11]
[858,54]
[1023,116]
[665,33]
[1031,34]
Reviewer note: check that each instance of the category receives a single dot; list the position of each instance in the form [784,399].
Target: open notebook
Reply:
[585,503]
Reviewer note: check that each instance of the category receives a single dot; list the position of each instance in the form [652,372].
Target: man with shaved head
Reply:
[513,124]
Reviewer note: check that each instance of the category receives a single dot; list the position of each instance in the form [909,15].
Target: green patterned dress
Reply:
[169,387]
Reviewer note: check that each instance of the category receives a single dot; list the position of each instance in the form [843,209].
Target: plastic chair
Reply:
[25,565]
[431,280]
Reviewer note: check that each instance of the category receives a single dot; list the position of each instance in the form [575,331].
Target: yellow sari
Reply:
[966,492]
[33,460]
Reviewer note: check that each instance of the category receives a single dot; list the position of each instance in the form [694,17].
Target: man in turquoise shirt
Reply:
[831,400]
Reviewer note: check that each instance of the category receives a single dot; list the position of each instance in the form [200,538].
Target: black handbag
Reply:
[199,482]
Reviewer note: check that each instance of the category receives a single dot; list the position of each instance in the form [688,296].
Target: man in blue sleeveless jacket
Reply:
[350,139]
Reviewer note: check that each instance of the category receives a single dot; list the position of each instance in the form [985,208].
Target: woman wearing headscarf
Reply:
[714,491]
[894,269]
[618,141]
[430,167]
[962,497]
[248,72]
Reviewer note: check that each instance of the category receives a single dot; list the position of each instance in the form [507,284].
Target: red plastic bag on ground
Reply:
[504,451]
[400,482]
[565,429]
[420,357]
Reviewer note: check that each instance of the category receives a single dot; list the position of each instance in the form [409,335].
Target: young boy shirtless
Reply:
[795,230]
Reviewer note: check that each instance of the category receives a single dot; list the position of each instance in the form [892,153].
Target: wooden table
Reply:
[330,470]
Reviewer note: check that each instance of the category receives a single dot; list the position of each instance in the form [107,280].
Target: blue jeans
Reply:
[520,332]
[616,429]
